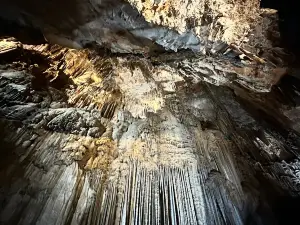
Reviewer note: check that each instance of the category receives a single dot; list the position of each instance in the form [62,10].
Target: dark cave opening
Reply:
[289,19]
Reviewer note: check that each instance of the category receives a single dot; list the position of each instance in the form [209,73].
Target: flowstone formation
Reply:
[147,112]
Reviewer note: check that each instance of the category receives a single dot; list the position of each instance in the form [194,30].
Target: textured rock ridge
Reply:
[143,26]
[227,21]
[111,24]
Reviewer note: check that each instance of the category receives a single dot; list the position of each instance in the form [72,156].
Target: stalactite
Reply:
[146,112]
[92,139]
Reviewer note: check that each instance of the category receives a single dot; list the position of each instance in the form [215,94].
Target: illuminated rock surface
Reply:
[209,135]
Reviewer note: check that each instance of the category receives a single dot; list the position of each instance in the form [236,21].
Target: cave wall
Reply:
[204,136]
[92,139]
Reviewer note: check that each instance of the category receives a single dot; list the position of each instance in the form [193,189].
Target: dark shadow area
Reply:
[289,18]
[286,208]
[51,12]
[26,35]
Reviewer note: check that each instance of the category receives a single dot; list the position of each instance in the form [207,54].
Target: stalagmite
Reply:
[147,112]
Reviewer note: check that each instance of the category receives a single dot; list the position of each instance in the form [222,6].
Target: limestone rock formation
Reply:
[140,26]
[90,135]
